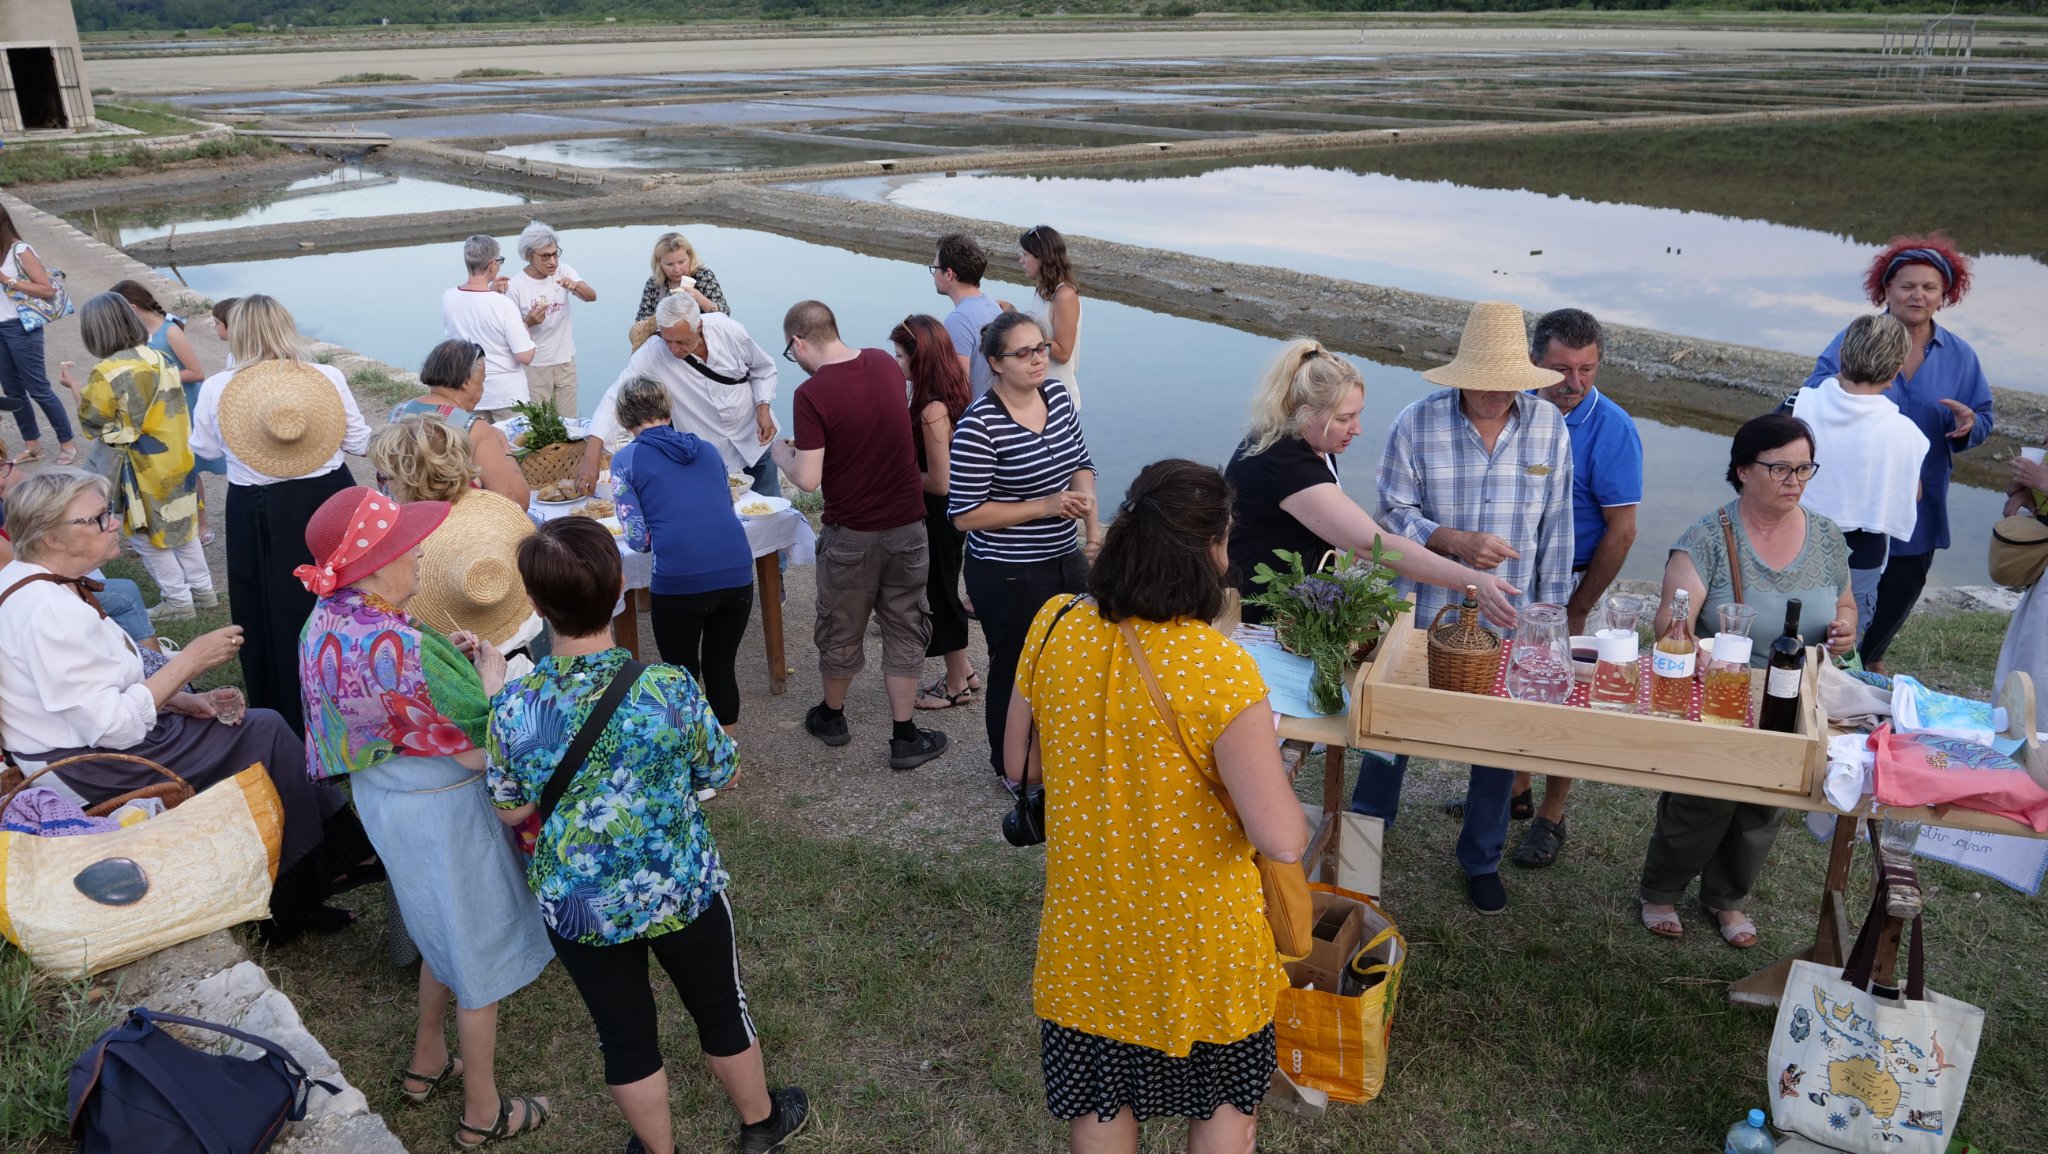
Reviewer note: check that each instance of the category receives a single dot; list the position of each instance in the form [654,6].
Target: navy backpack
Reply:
[138,1090]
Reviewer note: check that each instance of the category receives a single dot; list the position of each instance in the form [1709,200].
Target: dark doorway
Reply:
[35,87]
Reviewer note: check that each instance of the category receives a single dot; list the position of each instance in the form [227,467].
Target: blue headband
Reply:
[1921,256]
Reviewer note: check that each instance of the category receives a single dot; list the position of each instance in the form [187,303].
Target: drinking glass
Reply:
[228,705]
[1540,656]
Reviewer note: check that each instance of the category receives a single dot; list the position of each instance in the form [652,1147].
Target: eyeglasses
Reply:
[787,355]
[107,519]
[936,267]
[1781,472]
[478,349]
[1029,352]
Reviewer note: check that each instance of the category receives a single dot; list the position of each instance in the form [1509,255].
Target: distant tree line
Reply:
[247,15]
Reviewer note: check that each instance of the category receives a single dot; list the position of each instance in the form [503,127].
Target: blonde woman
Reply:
[268,513]
[675,258]
[1285,490]
[420,458]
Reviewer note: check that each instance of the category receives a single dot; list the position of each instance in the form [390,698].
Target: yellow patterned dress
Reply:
[134,406]
[1154,931]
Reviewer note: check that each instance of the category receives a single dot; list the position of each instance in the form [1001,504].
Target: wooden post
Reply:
[1334,802]
[768,583]
[626,626]
[1830,936]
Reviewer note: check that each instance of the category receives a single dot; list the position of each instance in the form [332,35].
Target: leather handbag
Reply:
[1289,909]
[2019,550]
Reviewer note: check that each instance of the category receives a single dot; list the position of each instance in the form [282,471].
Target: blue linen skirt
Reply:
[461,886]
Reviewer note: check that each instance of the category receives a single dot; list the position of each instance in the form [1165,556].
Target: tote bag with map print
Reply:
[1863,1071]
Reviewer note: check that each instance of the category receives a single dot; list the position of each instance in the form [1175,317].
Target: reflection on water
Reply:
[692,153]
[1155,385]
[338,195]
[1746,281]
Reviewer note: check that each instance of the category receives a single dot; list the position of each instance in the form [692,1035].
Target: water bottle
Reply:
[1749,1136]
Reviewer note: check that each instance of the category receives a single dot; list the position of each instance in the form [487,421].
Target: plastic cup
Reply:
[2033,454]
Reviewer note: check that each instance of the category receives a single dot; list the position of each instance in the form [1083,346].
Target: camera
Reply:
[1025,824]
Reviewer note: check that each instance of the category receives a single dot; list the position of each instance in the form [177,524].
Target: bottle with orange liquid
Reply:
[1724,699]
[1671,663]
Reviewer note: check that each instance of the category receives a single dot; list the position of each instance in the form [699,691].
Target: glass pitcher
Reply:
[1540,656]
[1725,696]
[1617,670]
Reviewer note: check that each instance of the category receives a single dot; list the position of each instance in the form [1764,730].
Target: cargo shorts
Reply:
[878,573]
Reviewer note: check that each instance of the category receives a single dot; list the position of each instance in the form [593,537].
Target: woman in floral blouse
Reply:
[624,864]
[400,709]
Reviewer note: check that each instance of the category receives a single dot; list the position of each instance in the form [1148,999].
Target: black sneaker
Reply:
[792,1110]
[1488,896]
[830,730]
[910,754]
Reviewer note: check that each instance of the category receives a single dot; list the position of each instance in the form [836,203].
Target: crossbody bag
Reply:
[579,747]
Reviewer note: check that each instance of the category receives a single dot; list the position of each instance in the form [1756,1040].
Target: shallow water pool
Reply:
[342,194]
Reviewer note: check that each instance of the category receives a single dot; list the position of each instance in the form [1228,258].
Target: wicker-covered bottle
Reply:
[1464,655]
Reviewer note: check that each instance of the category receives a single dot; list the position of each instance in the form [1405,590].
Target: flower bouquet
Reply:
[1332,616]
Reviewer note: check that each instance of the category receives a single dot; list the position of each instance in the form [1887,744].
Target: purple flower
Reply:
[1319,593]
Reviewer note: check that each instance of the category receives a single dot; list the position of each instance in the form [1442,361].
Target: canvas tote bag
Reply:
[1859,1070]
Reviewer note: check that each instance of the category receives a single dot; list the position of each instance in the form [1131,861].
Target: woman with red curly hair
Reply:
[1943,390]
[938,395]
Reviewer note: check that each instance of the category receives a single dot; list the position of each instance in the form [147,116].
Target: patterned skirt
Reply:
[1089,1074]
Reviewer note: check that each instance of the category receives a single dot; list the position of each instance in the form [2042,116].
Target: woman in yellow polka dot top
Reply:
[1156,973]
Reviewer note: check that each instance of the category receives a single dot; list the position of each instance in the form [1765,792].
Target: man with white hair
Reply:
[541,292]
[720,386]
[478,311]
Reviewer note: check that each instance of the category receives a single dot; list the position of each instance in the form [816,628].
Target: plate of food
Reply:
[559,494]
[755,505]
[612,523]
[739,483]
[597,507]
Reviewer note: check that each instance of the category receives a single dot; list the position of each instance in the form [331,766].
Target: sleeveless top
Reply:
[160,340]
[1067,372]
[456,416]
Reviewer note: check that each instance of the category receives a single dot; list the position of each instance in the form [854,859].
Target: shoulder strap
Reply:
[1734,557]
[1159,700]
[714,374]
[593,728]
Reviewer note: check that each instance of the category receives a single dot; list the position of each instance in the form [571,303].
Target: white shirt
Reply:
[552,342]
[10,267]
[208,442]
[721,414]
[1869,455]
[493,321]
[68,677]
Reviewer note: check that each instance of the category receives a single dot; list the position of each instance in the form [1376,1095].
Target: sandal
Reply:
[536,1117]
[67,455]
[31,453]
[419,1097]
[1663,925]
[1522,806]
[1741,934]
[936,694]
[1541,843]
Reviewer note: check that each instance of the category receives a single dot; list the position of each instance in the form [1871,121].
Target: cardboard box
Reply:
[1339,932]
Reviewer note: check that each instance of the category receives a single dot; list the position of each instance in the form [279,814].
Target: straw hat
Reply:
[1493,354]
[469,569]
[282,418]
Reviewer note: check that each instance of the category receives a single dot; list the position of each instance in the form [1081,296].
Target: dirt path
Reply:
[182,72]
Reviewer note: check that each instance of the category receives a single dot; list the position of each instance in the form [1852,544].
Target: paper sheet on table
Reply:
[2020,862]
[1287,677]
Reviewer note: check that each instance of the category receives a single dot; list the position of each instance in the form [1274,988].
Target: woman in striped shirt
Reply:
[1023,490]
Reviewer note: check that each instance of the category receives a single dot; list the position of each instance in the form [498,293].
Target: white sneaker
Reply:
[172,611]
[205,599]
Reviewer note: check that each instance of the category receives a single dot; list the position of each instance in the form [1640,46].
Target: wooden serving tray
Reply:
[1392,702]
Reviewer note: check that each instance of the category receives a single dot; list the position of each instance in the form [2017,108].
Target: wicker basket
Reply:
[552,463]
[172,791]
[1464,656]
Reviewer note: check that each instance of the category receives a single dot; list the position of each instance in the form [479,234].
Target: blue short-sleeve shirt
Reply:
[1607,469]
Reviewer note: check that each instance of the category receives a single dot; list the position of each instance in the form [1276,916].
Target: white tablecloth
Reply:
[788,529]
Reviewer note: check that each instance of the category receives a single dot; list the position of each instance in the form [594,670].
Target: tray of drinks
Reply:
[1393,703]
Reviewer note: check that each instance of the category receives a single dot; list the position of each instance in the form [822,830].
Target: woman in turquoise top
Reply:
[1784,553]
[624,866]
[454,376]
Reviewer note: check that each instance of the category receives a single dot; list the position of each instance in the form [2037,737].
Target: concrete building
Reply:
[42,75]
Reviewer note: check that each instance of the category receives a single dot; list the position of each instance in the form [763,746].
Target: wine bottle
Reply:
[1671,662]
[1780,711]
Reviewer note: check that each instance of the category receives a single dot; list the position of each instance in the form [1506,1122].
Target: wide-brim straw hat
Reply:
[282,418]
[1493,354]
[469,569]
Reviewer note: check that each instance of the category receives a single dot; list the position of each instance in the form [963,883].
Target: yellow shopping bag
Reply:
[1328,1040]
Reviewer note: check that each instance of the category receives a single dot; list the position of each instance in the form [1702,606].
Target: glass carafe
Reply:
[1725,699]
[1617,671]
[1540,656]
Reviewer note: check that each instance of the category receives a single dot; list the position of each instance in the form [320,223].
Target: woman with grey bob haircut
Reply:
[134,406]
[478,252]
[73,685]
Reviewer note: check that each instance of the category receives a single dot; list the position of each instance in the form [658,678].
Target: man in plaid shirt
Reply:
[1481,472]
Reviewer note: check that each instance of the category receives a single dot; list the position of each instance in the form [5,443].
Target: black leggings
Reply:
[702,633]
[1007,596]
[702,959]
[1897,592]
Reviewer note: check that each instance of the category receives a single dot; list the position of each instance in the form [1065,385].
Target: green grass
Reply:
[150,119]
[896,988]
[493,73]
[47,1022]
[372,77]
[382,387]
[41,164]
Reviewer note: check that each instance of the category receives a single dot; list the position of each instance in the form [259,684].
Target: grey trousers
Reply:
[1722,843]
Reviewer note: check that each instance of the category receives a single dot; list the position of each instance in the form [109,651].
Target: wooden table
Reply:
[768,591]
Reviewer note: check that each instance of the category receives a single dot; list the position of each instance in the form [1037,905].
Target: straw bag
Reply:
[2019,550]
[1334,1042]
[1464,656]
[82,905]
[1283,884]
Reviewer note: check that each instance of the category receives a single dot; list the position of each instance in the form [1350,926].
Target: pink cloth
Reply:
[1922,769]
[47,813]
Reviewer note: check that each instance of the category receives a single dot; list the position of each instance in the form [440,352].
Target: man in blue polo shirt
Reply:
[1607,485]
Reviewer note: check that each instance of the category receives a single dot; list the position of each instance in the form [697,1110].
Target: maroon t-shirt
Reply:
[858,412]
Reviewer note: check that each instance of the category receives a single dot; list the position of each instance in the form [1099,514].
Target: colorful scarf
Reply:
[377,685]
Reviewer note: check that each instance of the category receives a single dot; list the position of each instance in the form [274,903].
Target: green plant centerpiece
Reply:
[544,425]
[1332,615]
